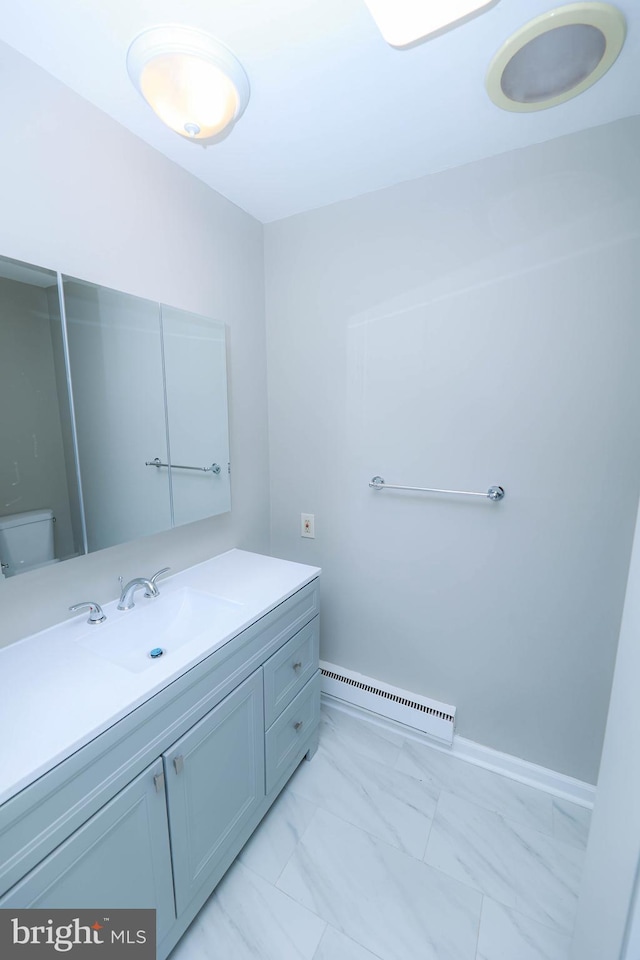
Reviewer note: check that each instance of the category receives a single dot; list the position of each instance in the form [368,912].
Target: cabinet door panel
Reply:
[215,782]
[120,858]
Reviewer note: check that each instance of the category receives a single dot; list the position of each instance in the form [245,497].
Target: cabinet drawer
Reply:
[286,739]
[288,670]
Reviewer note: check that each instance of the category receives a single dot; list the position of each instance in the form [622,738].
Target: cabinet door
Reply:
[120,858]
[215,783]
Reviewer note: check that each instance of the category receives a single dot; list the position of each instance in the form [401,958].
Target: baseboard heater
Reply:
[429,716]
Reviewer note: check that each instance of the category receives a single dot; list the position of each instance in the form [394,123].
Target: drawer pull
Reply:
[298,665]
[297,725]
[178,763]
[159,782]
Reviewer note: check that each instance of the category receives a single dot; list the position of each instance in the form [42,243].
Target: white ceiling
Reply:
[334,111]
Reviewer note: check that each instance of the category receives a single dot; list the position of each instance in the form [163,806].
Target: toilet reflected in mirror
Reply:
[37,464]
[26,541]
[114,409]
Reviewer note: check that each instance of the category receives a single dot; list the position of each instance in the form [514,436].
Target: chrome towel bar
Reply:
[156,462]
[493,493]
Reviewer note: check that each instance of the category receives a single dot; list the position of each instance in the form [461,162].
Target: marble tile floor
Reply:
[383,848]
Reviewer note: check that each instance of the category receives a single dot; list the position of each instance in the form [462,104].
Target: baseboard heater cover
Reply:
[431,717]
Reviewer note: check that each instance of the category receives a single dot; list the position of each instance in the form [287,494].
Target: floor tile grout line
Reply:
[373,836]
[415,736]
[515,824]
[330,926]
[429,866]
[435,814]
[433,870]
[392,768]
[367,754]
[368,726]
[301,837]
[579,842]
[355,826]
[511,822]
[427,816]
[552,927]
[555,928]
[317,950]
[284,893]
[506,906]
[431,748]
[484,897]
[549,833]
[514,909]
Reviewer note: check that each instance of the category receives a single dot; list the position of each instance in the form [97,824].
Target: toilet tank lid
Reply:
[29,516]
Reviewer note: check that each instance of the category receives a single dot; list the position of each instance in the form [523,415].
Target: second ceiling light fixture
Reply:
[199,88]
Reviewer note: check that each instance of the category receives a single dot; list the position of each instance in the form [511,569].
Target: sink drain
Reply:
[156,652]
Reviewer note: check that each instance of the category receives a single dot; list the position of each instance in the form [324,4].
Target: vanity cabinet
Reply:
[154,810]
[120,857]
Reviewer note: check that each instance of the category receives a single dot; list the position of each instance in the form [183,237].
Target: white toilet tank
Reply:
[26,541]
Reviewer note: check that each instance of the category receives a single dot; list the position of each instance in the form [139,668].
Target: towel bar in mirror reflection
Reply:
[156,462]
[93,378]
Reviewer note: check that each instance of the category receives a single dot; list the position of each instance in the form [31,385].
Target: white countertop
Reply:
[56,694]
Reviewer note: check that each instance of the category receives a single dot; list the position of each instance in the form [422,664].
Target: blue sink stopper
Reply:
[156,652]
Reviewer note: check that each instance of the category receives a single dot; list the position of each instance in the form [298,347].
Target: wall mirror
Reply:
[114,417]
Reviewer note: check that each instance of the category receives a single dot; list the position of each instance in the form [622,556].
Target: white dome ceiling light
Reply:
[556,56]
[194,83]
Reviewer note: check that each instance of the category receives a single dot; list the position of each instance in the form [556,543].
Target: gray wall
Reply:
[474,327]
[80,194]
[471,328]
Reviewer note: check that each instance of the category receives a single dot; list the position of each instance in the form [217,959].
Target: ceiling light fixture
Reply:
[402,22]
[556,56]
[192,82]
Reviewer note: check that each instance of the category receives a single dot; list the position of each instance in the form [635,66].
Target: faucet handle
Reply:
[96,614]
[153,581]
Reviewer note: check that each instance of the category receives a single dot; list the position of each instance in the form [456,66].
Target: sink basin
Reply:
[163,625]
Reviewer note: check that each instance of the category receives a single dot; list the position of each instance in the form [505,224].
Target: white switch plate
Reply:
[307,525]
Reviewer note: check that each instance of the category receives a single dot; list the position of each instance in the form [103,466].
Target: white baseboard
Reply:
[420,713]
[550,781]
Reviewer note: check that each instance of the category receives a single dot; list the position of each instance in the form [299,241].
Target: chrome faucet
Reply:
[96,614]
[150,589]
